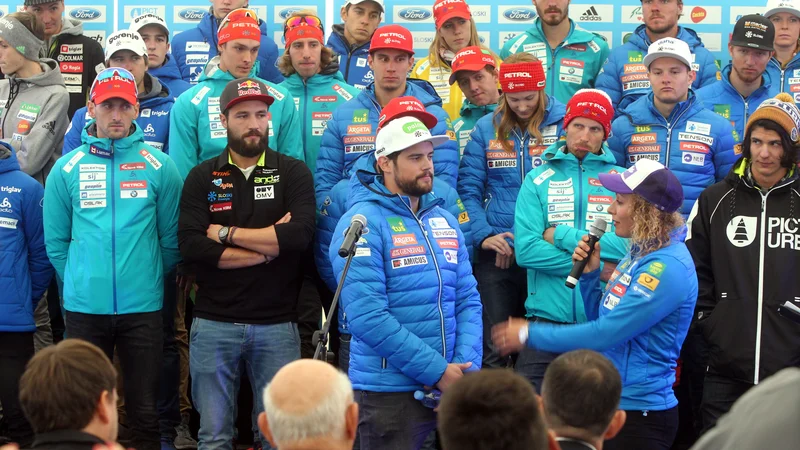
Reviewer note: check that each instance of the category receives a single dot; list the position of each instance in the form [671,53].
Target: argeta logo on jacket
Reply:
[741,230]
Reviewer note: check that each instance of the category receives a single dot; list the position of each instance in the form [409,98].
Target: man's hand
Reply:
[505,336]
[549,235]
[285,219]
[452,374]
[499,244]
[213,232]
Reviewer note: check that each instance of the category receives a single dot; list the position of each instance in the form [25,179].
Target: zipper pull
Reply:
[644,413]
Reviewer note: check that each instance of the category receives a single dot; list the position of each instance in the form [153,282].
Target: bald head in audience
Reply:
[309,405]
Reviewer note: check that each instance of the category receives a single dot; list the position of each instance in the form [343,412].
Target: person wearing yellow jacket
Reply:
[455,30]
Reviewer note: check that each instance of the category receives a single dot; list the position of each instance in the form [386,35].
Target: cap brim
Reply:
[103,97]
[774,11]
[450,15]
[408,143]
[163,27]
[268,99]
[356,2]
[374,48]
[751,45]
[132,50]
[427,119]
[466,67]
[614,183]
[655,55]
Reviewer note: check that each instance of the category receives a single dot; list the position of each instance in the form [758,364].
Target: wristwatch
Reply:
[223,234]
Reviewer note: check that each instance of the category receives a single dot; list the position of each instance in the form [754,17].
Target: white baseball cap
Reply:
[668,48]
[144,20]
[779,6]
[355,2]
[125,40]
[402,133]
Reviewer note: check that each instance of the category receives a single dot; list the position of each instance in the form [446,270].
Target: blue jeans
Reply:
[393,421]
[216,351]
[169,412]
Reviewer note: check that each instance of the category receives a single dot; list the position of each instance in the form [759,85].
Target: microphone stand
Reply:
[320,338]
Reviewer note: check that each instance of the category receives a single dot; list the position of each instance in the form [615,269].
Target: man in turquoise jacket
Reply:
[557,204]
[111,235]
[197,133]
[312,78]
[475,71]
[572,63]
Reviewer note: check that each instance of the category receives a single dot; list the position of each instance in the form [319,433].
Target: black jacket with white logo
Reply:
[216,192]
[746,247]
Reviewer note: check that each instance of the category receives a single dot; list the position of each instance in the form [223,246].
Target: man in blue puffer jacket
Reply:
[624,76]
[670,126]
[26,275]
[193,49]
[160,64]
[411,301]
[127,49]
[351,39]
[745,83]
[351,131]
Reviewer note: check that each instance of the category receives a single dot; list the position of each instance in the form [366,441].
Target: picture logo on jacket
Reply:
[741,230]
[5,206]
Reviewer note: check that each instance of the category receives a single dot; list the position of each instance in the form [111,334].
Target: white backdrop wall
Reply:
[497,21]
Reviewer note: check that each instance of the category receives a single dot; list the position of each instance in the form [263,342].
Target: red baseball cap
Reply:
[444,10]
[392,37]
[406,107]
[471,59]
[114,82]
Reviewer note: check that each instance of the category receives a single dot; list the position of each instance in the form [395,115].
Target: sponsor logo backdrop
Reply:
[497,21]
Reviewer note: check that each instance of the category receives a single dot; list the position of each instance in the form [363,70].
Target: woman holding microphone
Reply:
[641,318]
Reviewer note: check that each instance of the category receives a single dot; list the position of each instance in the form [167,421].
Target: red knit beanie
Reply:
[522,77]
[592,104]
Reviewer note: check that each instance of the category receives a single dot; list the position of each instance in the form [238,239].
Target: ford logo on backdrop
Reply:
[286,12]
[414,14]
[85,13]
[519,14]
[191,14]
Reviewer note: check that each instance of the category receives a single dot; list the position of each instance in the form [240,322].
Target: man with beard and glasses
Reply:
[624,75]
[410,299]
[744,84]
[572,56]
[246,219]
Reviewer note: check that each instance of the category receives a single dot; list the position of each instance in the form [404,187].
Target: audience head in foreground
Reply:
[309,405]
[493,409]
[580,395]
[70,388]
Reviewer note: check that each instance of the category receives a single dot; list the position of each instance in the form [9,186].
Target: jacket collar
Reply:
[47,440]
[268,159]
[726,82]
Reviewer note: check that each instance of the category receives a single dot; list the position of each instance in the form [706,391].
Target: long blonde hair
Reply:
[651,226]
[506,120]
[439,42]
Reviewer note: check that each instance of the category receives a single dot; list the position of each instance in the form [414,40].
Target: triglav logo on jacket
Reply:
[741,230]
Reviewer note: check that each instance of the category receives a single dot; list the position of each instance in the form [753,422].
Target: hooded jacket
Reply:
[489,179]
[624,76]
[194,48]
[111,224]
[197,134]
[564,193]
[316,99]
[170,76]
[352,132]
[722,98]
[77,57]
[411,301]
[465,123]
[353,59]
[744,241]
[695,143]
[334,207]
[571,66]
[785,79]
[33,118]
[639,322]
[23,258]
[154,108]
[439,78]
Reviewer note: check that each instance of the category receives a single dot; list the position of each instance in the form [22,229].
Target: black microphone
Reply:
[353,233]
[596,231]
